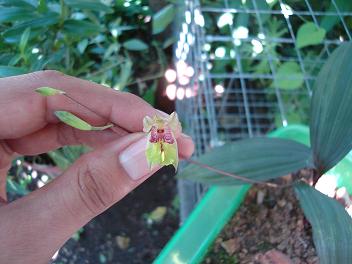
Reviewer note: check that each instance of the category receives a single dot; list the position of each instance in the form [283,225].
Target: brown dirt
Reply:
[268,228]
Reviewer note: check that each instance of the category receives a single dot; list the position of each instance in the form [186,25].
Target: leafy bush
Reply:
[114,43]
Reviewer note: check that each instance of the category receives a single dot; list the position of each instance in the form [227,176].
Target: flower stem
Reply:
[91,110]
[244,179]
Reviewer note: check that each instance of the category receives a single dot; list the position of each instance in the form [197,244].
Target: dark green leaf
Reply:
[15,188]
[24,40]
[113,48]
[163,18]
[95,5]
[19,3]
[6,71]
[135,44]
[42,6]
[242,20]
[80,28]
[289,76]
[332,226]
[14,36]
[264,6]
[309,34]
[11,14]
[149,95]
[331,108]
[40,22]
[14,60]
[170,41]
[59,159]
[64,157]
[328,22]
[258,159]
[125,73]
[82,45]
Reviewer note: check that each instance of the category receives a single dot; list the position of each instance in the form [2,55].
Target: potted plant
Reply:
[262,159]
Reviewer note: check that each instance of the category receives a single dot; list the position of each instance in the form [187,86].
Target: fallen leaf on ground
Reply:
[230,246]
[158,214]
[123,242]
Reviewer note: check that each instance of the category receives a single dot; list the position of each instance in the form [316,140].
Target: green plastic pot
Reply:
[192,241]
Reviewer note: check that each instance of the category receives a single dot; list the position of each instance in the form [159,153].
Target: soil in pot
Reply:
[268,228]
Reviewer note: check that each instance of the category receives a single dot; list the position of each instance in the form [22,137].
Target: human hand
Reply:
[34,227]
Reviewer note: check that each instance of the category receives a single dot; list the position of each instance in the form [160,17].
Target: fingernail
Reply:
[134,161]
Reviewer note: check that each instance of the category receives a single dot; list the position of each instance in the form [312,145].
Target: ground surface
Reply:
[105,239]
[268,228]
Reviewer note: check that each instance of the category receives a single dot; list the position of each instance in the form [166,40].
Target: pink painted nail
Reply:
[134,161]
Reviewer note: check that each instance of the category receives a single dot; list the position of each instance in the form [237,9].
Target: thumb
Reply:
[103,177]
[45,219]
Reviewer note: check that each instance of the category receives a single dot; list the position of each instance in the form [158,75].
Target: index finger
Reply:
[24,111]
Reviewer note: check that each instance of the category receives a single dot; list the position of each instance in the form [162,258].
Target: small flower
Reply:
[162,145]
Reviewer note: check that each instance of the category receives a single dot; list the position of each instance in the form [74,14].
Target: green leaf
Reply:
[331,108]
[125,73]
[82,45]
[135,44]
[24,40]
[48,91]
[94,5]
[289,76]
[12,14]
[80,28]
[59,159]
[332,226]
[74,121]
[170,41]
[15,188]
[42,6]
[19,3]
[264,6]
[46,20]
[14,36]
[65,156]
[163,18]
[258,159]
[14,60]
[242,20]
[149,95]
[309,34]
[113,48]
[328,22]
[6,71]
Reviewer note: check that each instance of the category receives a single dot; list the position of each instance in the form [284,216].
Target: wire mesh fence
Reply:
[245,67]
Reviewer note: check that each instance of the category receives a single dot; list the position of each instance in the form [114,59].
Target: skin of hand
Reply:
[34,227]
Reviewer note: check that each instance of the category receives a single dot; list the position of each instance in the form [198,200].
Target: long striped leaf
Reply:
[258,159]
[331,108]
[332,226]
